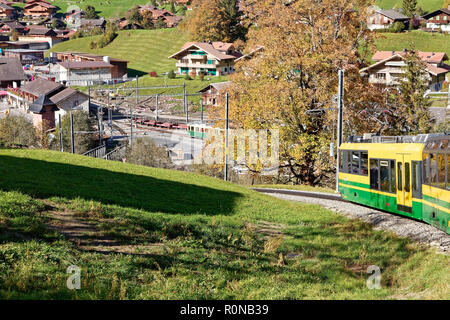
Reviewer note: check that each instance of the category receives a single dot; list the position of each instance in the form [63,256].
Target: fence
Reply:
[99,152]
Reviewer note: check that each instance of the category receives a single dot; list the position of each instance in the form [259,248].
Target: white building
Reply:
[84,73]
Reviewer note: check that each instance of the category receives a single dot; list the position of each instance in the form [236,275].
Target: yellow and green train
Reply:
[409,176]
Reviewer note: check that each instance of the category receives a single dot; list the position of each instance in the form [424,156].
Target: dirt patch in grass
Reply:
[88,237]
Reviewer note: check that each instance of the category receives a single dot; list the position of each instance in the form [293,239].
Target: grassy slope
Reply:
[208,229]
[423,41]
[427,5]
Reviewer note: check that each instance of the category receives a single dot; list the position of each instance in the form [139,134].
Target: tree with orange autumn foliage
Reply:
[214,20]
[305,43]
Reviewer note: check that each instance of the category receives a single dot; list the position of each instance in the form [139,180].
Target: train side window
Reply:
[392,176]
[407,177]
[364,163]
[448,171]
[416,180]
[374,170]
[384,176]
[355,162]
[441,170]
[341,161]
[400,176]
[426,168]
[433,170]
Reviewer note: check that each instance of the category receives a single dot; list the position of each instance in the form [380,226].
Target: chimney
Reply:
[107,59]
[393,52]
[404,50]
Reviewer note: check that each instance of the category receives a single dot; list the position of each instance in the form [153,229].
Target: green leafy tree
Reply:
[409,7]
[17,131]
[90,12]
[134,15]
[171,74]
[172,7]
[145,152]
[414,106]
[84,141]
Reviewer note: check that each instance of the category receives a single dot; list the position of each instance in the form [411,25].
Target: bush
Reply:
[145,152]
[201,76]
[171,74]
[398,27]
[17,131]
[187,77]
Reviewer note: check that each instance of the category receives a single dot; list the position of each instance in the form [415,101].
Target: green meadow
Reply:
[143,233]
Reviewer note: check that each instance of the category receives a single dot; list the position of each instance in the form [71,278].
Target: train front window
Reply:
[441,170]
[400,176]
[374,169]
[407,177]
[355,162]
[348,158]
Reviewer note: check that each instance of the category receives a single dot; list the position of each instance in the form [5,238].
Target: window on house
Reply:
[381,76]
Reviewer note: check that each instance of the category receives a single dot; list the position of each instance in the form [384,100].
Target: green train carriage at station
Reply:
[409,176]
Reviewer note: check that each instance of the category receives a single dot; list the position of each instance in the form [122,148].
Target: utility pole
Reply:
[72,133]
[109,115]
[131,111]
[339,125]
[100,125]
[89,95]
[226,137]
[61,142]
[157,105]
[201,108]
[184,97]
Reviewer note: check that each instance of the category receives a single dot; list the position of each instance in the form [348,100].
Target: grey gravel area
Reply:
[416,230]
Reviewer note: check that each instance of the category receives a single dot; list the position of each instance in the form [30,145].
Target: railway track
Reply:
[403,226]
[317,195]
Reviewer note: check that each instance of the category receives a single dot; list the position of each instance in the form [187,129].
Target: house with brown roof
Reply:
[168,18]
[119,70]
[6,11]
[84,73]
[384,19]
[39,9]
[56,94]
[213,94]
[213,58]
[438,20]
[41,34]
[9,26]
[11,73]
[388,68]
